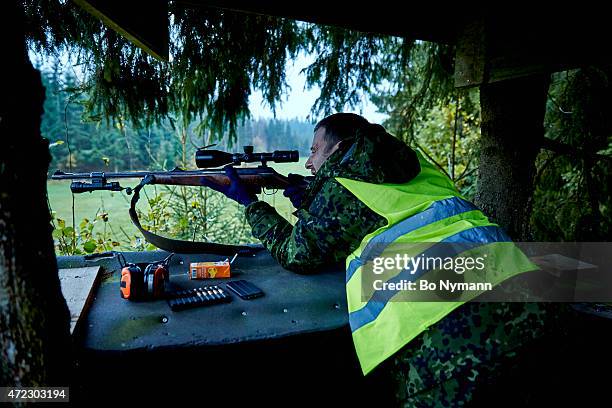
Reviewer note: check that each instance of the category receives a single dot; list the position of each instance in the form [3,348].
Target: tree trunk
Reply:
[512,132]
[34,318]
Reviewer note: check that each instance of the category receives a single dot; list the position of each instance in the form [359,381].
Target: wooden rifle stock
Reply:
[253,178]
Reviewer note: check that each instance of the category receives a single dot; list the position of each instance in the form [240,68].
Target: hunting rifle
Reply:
[211,162]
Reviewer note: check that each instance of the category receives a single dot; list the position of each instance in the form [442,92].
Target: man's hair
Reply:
[341,126]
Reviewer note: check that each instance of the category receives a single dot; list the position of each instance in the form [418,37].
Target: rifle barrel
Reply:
[60,175]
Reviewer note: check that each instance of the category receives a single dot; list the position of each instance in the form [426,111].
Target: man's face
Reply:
[320,151]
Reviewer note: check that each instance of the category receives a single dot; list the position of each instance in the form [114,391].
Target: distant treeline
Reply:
[94,144]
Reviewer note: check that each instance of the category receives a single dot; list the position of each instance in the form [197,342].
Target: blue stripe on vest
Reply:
[439,210]
[470,238]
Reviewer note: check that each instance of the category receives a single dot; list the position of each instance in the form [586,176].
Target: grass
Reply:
[116,204]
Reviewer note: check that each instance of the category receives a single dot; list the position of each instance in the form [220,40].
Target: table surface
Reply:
[293,304]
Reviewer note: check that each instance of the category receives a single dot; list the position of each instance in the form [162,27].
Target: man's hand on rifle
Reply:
[236,190]
[295,192]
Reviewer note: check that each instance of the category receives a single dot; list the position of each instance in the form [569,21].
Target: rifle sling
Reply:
[181,246]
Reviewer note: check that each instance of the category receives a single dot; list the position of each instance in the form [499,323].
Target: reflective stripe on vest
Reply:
[438,210]
[428,209]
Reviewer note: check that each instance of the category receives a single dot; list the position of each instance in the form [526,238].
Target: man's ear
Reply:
[331,149]
[336,146]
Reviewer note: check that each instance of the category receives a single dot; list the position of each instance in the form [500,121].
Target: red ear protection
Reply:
[136,284]
[155,277]
[126,283]
[131,284]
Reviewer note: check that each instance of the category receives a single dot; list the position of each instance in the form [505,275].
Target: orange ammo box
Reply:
[206,270]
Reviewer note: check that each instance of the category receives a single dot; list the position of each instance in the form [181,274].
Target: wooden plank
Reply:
[78,286]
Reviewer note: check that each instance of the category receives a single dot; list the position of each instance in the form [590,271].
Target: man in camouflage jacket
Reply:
[457,360]
[331,221]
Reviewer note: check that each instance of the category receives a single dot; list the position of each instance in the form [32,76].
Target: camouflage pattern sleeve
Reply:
[325,233]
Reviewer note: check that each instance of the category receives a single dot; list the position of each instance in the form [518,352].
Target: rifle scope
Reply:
[216,158]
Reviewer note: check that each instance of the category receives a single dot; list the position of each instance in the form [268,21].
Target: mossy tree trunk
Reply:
[34,318]
[512,131]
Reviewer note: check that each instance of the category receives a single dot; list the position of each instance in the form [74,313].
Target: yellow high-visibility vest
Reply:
[428,210]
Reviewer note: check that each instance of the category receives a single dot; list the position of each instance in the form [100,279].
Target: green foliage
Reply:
[218,56]
[349,64]
[424,83]
[93,146]
[193,214]
[178,212]
[217,59]
[448,135]
[82,239]
[573,198]
[428,113]
[196,214]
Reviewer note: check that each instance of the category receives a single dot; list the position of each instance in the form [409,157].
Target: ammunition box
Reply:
[207,270]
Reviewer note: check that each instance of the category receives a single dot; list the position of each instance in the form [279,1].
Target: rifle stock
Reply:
[257,179]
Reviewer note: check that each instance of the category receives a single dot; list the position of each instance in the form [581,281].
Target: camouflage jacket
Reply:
[331,221]
[456,360]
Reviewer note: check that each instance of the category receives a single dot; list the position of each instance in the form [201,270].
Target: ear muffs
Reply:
[131,284]
[160,276]
[149,284]
[155,277]
[126,283]
[136,284]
